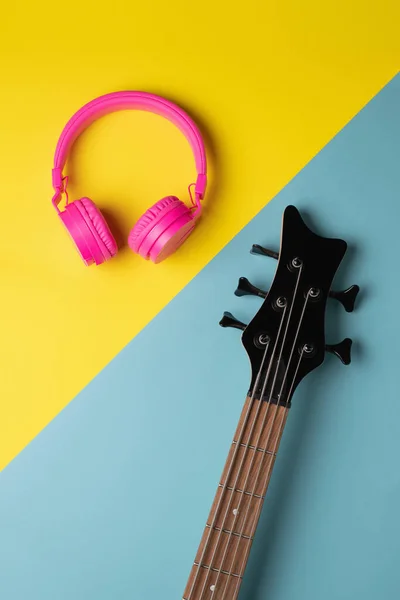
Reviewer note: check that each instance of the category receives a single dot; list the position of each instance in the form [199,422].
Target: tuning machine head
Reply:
[261,251]
[342,350]
[245,288]
[346,298]
[285,339]
[228,320]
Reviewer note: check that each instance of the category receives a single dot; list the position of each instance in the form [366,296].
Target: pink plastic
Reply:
[164,227]
[98,225]
[147,221]
[84,240]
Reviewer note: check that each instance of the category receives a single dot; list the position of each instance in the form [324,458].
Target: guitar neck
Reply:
[224,549]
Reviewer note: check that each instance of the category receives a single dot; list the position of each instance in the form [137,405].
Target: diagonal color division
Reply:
[270,84]
[109,501]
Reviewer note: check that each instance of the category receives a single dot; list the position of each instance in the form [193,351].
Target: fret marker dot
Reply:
[212,588]
[235,511]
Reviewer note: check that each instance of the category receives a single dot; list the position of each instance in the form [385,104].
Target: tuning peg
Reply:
[228,320]
[256,249]
[245,288]
[341,350]
[347,297]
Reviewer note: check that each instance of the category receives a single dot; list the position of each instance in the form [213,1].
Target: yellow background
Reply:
[269,82]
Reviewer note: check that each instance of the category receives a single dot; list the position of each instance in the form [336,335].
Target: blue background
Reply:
[110,500]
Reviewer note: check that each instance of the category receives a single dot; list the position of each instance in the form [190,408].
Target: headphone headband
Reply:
[116,101]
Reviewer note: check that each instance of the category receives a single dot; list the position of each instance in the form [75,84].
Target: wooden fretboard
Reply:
[224,549]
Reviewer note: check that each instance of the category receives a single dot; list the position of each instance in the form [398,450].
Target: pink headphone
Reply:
[164,226]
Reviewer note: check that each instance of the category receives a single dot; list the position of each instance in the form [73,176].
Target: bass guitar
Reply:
[284,341]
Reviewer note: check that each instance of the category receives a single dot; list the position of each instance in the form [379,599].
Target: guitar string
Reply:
[240,437]
[257,443]
[261,467]
[258,511]
[278,435]
[235,453]
[237,477]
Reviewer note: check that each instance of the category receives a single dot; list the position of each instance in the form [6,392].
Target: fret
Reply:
[223,551]
[226,588]
[258,449]
[262,416]
[230,489]
[249,470]
[215,570]
[236,511]
[246,537]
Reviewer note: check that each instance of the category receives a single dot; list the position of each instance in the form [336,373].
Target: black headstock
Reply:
[286,338]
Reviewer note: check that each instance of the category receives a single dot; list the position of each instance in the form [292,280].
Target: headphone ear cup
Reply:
[162,229]
[89,230]
[104,236]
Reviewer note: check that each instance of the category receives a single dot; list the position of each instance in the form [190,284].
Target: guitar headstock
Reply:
[285,340]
